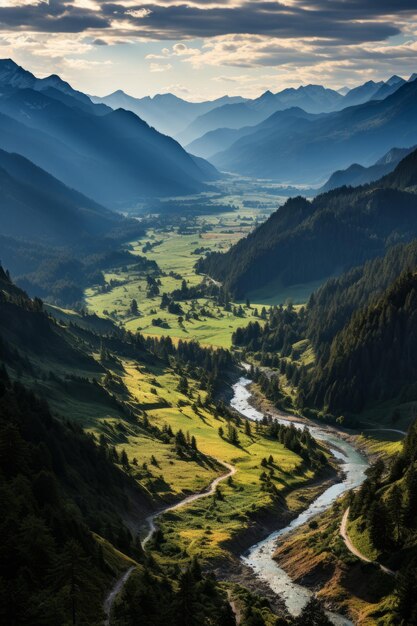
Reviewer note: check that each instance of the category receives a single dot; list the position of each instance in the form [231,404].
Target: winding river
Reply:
[259,557]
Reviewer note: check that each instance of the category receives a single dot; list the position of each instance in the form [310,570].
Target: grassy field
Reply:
[169,475]
[381,443]
[174,252]
[203,527]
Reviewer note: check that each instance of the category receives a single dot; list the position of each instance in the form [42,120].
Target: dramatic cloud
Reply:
[347,21]
[338,41]
[160,67]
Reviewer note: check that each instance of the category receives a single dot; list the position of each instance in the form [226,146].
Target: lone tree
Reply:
[183,385]
[233,435]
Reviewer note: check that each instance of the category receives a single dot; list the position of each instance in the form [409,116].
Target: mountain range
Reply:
[38,207]
[356,175]
[310,98]
[188,121]
[166,112]
[113,157]
[310,151]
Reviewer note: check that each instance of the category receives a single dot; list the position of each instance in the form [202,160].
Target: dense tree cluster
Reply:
[56,485]
[297,440]
[152,600]
[386,505]
[205,364]
[282,328]
[372,358]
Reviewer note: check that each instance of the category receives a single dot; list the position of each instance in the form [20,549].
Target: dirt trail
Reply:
[354,550]
[195,496]
[385,430]
[234,608]
[120,583]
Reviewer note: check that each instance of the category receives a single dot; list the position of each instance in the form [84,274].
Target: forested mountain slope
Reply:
[55,240]
[57,486]
[305,241]
[384,512]
[372,358]
[360,327]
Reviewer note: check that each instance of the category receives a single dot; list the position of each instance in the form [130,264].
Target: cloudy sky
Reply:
[201,49]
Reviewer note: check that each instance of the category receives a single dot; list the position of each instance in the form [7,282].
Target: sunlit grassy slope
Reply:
[156,391]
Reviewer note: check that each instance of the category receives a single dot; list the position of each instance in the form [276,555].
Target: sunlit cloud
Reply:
[229,45]
[21,3]
[160,67]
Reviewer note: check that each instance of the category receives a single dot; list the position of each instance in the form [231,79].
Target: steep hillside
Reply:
[371,358]
[350,349]
[305,241]
[55,240]
[37,207]
[384,514]
[57,488]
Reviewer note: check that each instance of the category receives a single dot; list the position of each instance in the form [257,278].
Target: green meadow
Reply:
[175,254]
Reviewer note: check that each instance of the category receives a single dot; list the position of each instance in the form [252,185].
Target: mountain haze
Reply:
[358,134]
[111,156]
[356,174]
[165,112]
[305,241]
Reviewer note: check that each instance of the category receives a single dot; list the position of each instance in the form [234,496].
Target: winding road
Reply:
[120,582]
[354,550]
[117,587]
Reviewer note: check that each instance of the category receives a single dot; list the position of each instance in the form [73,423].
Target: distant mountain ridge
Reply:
[331,141]
[165,112]
[310,98]
[356,175]
[188,121]
[223,138]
